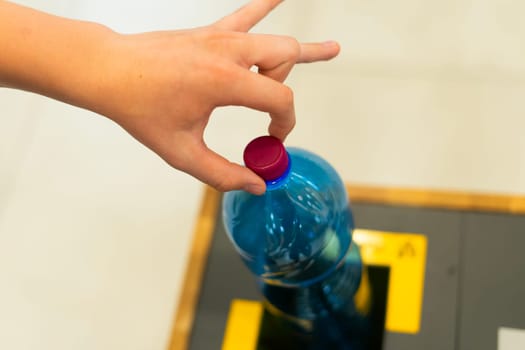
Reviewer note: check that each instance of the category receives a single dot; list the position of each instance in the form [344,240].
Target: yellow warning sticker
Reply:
[405,254]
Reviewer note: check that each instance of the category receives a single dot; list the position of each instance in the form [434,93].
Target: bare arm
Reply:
[50,55]
[161,86]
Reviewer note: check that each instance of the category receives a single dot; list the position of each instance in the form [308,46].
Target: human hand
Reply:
[163,86]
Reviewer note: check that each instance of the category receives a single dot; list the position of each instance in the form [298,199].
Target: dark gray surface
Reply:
[493,279]
[443,229]
[474,280]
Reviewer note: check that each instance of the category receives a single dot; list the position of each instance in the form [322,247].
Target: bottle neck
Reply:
[272,185]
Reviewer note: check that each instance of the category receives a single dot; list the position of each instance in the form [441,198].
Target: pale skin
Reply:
[161,87]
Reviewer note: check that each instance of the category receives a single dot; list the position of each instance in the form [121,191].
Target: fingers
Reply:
[247,16]
[314,52]
[259,92]
[275,56]
[216,171]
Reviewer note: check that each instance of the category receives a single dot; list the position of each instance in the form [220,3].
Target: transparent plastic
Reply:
[297,239]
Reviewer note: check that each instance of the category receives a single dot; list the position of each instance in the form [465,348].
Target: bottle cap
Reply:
[267,157]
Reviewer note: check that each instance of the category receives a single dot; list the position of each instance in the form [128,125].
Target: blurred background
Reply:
[95,228]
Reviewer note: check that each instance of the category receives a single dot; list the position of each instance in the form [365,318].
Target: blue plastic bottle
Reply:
[297,239]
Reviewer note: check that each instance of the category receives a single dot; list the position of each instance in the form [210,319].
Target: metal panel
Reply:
[493,279]
[438,327]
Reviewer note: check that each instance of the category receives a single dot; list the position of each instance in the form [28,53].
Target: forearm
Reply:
[50,55]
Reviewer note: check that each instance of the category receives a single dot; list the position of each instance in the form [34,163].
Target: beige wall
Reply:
[424,94]
[94,229]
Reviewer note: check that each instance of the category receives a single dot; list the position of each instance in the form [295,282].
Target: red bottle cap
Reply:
[267,157]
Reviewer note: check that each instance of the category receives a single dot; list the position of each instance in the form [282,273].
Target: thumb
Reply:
[221,174]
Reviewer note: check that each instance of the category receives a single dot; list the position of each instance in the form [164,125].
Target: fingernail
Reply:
[257,189]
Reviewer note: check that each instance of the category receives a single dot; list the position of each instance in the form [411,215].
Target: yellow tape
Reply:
[405,254]
[242,329]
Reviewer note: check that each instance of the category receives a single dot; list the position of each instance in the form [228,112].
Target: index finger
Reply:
[247,16]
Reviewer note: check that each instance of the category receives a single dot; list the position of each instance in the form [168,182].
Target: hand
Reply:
[165,85]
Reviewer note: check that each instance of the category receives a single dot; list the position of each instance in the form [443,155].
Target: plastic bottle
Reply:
[297,239]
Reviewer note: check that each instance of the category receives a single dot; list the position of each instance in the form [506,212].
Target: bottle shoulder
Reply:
[308,170]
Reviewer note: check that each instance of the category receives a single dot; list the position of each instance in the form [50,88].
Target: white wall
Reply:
[425,93]
[94,228]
